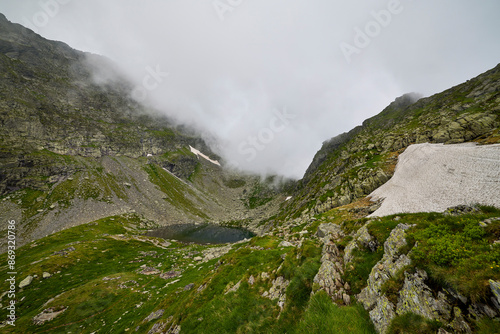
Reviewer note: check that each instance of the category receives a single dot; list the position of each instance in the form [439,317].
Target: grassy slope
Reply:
[107,248]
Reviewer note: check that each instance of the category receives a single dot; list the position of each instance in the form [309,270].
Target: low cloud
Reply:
[228,67]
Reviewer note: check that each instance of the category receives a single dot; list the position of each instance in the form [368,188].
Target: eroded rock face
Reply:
[212,253]
[459,325]
[329,276]
[382,310]
[154,315]
[386,268]
[452,309]
[417,297]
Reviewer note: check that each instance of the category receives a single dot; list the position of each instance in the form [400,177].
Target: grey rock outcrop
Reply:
[154,315]
[382,310]
[278,291]
[329,276]
[417,297]
[495,288]
[361,237]
[330,228]
[48,315]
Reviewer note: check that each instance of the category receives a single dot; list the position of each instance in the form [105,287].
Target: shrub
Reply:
[413,324]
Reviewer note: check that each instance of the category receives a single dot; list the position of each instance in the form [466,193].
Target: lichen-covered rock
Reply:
[459,324]
[279,285]
[285,243]
[157,328]
[329,228]
[417,297]
[396,240]
[213,253]
[495,288]
[329,276]
[361,237]
[382,314]
[348,251]
[391,263]
[174,329]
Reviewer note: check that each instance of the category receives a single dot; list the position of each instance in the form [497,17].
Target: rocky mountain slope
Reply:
[75,147]
[86,173]
[352,165]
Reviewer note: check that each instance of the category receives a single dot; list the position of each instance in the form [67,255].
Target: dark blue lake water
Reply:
[201,233]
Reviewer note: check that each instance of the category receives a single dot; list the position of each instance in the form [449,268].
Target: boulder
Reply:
[25,282]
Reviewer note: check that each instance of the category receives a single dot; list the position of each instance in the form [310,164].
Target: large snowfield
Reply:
[434,177]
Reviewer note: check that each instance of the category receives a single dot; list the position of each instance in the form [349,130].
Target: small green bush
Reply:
[457,251]
[411,323]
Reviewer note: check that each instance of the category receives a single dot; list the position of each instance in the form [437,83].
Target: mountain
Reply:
[75,147]
[90,177]
[350,166]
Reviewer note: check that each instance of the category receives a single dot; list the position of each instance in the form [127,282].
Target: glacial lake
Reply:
[201,233]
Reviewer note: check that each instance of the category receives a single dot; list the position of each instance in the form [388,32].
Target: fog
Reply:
[271,80]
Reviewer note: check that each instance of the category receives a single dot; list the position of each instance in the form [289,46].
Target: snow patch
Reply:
[434,177]
[199,154]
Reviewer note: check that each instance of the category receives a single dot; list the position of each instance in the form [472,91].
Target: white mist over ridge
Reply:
[270,81]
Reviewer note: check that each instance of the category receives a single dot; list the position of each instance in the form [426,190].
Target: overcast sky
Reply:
[272,79]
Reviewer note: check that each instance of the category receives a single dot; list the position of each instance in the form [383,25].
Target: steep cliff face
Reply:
[352,165]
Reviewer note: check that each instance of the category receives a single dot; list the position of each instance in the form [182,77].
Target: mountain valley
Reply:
[87,173]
